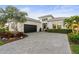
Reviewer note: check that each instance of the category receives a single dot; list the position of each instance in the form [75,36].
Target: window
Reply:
[44,19]
[54,26]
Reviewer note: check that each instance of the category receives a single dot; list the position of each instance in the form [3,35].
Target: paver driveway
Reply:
[41,42]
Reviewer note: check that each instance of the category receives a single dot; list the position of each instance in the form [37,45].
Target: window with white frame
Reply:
[45,19]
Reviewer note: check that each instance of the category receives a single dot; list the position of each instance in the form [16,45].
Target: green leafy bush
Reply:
[59,30]
[73,37]
[2,30]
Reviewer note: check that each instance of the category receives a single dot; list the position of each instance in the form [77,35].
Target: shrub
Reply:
[6,34]
[19,34]
[12,34]
[73,37]
[9,34]
[59,30]
[2,30]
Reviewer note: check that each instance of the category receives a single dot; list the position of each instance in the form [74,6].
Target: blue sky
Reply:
[35,11]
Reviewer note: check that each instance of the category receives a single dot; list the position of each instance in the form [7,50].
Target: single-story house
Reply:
[44,22]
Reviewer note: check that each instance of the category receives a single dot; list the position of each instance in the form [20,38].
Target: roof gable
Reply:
[33,20]
[46,16]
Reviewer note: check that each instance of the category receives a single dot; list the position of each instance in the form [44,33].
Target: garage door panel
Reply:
[30,28]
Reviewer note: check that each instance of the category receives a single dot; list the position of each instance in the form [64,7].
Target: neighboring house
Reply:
[45,22]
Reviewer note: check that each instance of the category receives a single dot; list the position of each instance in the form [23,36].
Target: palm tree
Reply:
[68,23]
[20,18]
[14,14]
[72,23]
[2,18]
[75,18]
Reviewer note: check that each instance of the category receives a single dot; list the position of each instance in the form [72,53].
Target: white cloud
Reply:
[25,9]
[30,12]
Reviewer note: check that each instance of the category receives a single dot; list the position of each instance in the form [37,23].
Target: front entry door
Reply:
[44,26]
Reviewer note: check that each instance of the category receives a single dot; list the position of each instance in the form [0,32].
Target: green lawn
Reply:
[74,48]
[1,43]
[73,44]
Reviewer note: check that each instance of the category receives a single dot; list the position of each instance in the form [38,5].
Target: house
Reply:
[44,23]
[31,25]
[50,22]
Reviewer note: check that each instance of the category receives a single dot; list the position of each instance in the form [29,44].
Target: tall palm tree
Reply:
[68,23]
[14,14]
[73,23]
[2,17]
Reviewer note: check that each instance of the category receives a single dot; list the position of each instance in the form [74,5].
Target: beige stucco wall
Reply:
[11,26]
[21,25]
[58,23]
[50,24]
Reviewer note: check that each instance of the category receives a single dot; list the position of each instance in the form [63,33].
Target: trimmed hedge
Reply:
[59,30]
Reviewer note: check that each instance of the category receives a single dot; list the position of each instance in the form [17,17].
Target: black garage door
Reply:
[30,28]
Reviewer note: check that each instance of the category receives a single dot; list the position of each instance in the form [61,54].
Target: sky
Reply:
[35,11]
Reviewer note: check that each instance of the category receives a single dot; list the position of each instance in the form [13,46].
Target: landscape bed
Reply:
[6,37]
[74,42]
